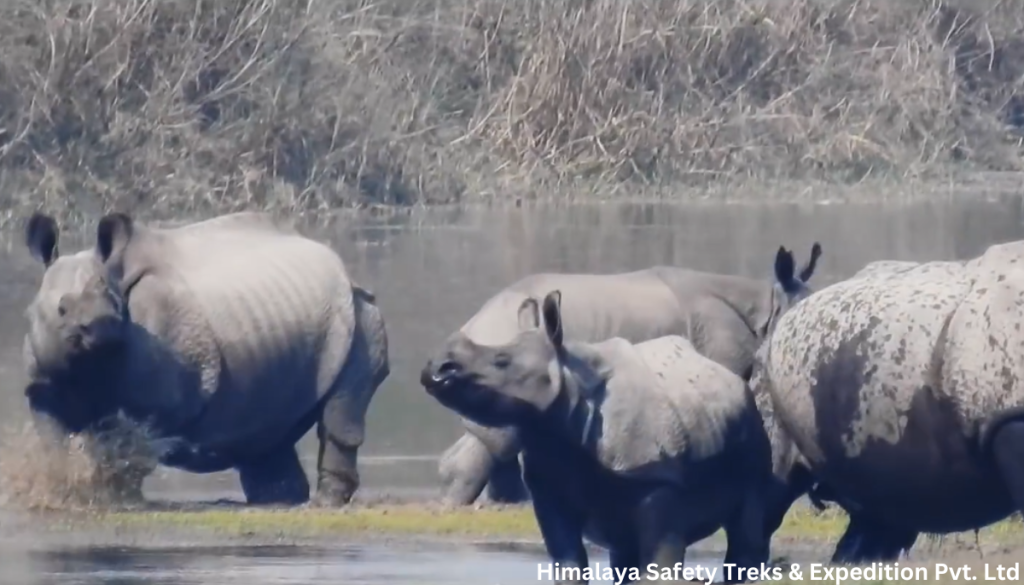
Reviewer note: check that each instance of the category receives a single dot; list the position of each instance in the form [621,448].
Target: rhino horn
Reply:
[41,235]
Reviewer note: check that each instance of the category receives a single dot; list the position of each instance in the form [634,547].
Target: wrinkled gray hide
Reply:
[724,316]
[895,383]
[231,336]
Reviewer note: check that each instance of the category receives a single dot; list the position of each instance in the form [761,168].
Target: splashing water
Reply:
[88,472]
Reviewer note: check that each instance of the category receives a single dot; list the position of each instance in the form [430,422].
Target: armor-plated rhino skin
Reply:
[640,448]
[901,388]
[232,337]
[724,316]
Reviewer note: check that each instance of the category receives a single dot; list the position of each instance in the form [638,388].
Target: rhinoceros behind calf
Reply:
[233,336]
[724,316]
[902,388]
[642,448]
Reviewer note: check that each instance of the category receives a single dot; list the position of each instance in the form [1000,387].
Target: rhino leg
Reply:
[275,478]
[661,538]
[506,483]
[867,541]
[747,544]
[464,468]
[561,530]
[481,458]
[342,426]
[1007,448]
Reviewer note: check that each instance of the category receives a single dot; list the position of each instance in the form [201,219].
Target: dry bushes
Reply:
[179,106]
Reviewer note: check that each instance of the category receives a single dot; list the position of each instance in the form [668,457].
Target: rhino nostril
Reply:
[448,368]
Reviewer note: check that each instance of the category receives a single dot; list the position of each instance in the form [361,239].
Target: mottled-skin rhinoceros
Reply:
[232,336]
[901,387]
[724,316]
[640,448]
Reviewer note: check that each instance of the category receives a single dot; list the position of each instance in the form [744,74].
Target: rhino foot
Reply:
[275,479]
[333,492]
[866,541]
[337,476]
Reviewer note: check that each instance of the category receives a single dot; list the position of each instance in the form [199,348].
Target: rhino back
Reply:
[855,377]
[635,306]
[668,407]
[264,317]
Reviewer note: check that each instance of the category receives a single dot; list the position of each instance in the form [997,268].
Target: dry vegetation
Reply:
[170,107]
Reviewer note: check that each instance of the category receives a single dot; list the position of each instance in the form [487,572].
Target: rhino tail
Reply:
[363,293]
[370,322]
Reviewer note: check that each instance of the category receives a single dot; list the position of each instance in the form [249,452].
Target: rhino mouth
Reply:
[481,404]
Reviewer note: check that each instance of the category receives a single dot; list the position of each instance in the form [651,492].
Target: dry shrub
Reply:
[95,472]
[170,107]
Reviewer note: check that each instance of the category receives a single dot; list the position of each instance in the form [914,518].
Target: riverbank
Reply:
[805,533]
[179,109]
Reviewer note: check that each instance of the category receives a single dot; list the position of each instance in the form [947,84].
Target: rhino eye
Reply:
[502,361]
[61,310]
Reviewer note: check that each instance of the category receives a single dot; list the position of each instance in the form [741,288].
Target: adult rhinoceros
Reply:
[902,390]
[724,316]
[233,336]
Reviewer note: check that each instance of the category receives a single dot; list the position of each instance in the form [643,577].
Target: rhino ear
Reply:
[785,268]
[553,317]
[41,235]
[529,315]
[112,236]
[808,270]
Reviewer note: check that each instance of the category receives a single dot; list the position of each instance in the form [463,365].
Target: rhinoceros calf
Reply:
[232,336]
[901,388]
[724,316]
[641,448]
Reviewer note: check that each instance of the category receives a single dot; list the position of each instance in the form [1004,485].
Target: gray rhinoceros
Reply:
[724,316]
[641,448]
[901,389]
[231,336]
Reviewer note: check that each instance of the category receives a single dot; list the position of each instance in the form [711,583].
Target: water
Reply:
[351,565]
[431,271]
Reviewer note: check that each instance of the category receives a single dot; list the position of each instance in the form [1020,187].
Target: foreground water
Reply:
[431,271]
[350,565]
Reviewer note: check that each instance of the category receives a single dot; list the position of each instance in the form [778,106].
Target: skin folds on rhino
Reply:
[640,448]
[231,337]
[724,317]
[901,388]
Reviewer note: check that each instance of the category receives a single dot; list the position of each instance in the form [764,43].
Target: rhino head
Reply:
[789,287]
[78,322]
[503,385]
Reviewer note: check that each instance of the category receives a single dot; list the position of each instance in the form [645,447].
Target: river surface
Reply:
[354,565]
[431,271]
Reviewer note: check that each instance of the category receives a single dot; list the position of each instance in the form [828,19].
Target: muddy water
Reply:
[431,271]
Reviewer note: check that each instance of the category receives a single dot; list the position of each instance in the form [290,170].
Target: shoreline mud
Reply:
[805,533]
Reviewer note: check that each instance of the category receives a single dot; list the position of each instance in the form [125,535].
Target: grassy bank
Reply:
[200,106]
[802,524]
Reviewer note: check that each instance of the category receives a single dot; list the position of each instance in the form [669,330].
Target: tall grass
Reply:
[169,107]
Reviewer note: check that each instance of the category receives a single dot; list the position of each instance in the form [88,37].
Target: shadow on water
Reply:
[431,270]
